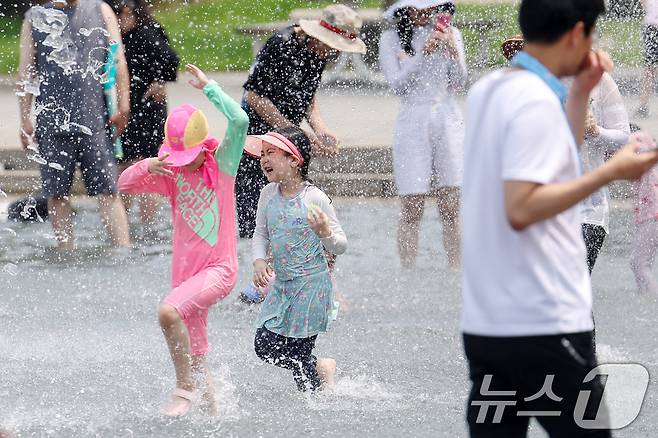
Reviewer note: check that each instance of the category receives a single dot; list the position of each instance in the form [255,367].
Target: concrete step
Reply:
[375,159]
[356,184]
[337,176]
[22,182]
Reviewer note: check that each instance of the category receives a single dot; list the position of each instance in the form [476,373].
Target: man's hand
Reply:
[27,133]
[199,79]
[158,166]
[630,163]
[157,92]
[323,143]
[595,64]
[262,273]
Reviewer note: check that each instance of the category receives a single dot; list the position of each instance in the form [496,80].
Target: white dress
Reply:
[429,136]
[611,117]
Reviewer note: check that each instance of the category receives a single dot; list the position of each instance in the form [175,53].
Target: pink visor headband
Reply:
[254,145]
[293,149]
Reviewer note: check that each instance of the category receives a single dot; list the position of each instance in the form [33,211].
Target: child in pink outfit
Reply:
[645,211]
[198,179]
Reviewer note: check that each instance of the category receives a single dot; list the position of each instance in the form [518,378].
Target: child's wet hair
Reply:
[301,141]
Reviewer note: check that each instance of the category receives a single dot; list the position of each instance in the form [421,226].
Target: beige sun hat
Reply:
[338,27]
[511,46]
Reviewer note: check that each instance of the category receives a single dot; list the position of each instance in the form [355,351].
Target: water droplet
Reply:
[37,158]
[56,166]
[10,269]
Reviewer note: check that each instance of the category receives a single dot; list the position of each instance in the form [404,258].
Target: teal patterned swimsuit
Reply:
[300,303]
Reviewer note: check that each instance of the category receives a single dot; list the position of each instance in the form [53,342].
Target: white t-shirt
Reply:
[535,281]
[651,12]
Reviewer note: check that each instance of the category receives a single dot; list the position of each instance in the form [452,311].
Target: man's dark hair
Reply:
[545,21]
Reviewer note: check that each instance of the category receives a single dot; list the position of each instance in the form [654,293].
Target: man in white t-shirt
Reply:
[650,38]
[527,296]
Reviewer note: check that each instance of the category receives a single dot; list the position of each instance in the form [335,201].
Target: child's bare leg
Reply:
[326,368]
[200,368]
[178,342]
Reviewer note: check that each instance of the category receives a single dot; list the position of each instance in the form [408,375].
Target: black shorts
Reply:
[520,366]
[63,152]
[650,37]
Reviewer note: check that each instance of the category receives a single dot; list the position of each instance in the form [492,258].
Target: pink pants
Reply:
[193,298]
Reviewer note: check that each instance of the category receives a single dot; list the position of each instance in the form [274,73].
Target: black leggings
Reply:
[249,181]
[594,236]
[289,353]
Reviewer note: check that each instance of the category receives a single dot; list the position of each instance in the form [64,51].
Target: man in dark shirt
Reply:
[280,92]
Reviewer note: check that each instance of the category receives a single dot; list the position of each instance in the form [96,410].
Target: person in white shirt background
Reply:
[650,38]
[606,129]
[422,57]
[526,288]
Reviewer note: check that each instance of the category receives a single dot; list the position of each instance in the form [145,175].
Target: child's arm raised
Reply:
[229,153]
[147,176]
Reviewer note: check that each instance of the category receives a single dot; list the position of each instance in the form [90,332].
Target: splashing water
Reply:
[26,87]
[86,32]
[37,158]
[10,269]
[31,205]
[84,129]
[53,22]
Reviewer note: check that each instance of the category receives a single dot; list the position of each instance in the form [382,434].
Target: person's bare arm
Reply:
[25,72]
[120,119]
[527,203]
[324,142]
[314,117]
[266,110]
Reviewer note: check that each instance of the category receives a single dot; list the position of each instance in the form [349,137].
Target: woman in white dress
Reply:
[422,58]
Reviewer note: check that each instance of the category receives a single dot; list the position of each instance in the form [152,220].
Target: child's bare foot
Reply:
[326,368]
[210,402]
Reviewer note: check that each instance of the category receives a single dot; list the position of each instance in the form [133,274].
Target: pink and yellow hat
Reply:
[186,135]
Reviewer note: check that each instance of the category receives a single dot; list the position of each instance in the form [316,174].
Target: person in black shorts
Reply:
[70,109]
[280,92]
[650,39]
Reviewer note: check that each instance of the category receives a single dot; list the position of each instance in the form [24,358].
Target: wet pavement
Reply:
[82,353]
